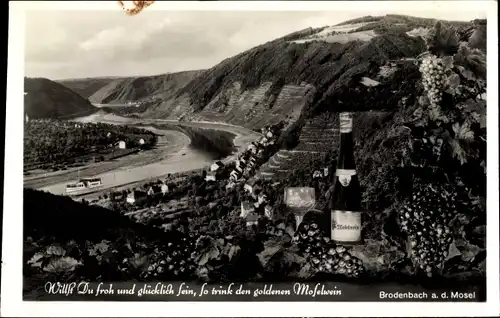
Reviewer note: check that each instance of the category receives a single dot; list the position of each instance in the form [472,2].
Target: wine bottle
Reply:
[345,201]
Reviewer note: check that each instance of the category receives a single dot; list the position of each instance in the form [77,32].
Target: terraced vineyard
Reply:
[318,136]
[251,108]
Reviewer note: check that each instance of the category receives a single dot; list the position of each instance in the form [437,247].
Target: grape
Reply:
[324,255]
[433,79]
[426,218]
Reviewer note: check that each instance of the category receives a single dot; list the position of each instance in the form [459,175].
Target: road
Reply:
[171,155]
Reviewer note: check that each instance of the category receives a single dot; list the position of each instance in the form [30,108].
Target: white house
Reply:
[135,196]
[108,134]
[122,144]
[325,172]
[152,190]
[141,141]
[252,219]
[268,210]
[230,185]
[262,198]
[240,164]
[216,166]
[248,188]
[246,208]
[251,165]
[235,175]
[27,118]
[260,153]
[164,188]
[210,176]
[269,134]
[317,174]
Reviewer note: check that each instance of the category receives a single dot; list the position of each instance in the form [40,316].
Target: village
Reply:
[162,201]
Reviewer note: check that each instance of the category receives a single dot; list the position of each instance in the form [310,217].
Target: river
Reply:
[173,154]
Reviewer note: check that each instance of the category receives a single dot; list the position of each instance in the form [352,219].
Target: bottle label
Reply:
[345,123]
[345,175]
[346,226]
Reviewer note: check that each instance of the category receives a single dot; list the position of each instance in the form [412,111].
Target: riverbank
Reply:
[181,147]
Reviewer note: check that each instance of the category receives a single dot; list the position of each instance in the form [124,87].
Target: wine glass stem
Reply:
[298,220]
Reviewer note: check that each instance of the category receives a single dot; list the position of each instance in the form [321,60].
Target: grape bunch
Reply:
[426,219]
[177,259]
[275,230]
[433,78]
[426,150]
[324,255]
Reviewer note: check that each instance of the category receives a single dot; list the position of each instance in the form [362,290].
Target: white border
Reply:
[11,292]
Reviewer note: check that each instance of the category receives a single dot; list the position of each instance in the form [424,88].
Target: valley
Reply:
[173,153]
[207,202]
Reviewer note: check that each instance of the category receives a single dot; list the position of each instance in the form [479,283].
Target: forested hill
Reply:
[142,88]
[86,87]
[48,99]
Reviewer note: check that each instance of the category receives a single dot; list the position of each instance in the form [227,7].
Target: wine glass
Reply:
[300,200]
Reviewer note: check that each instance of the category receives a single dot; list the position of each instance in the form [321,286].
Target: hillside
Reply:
[128,89]
[313,67]
[49,99]
[87,86]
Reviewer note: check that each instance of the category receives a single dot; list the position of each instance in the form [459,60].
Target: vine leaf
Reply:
[36,260]
[463,132]
[62,264]
[447,62]
[435,114]
[471,60]
[458,151]
[210,253]
[468,74]
[454,81]
[442,41]
[55,250]
[418,113]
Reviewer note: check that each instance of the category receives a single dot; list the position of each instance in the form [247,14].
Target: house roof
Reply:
[155,188]
[252,181]
[247,205]
[252,217]
[136,192]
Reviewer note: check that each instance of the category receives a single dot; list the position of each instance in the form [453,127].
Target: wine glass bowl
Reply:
[300,200]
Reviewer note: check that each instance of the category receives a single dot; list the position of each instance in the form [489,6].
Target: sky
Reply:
[78,44]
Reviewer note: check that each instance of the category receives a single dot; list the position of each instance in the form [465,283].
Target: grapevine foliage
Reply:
[449,122]
[447,146]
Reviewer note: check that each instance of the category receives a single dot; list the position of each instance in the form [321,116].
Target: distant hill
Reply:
[87,86]
[49,99]
[142,88]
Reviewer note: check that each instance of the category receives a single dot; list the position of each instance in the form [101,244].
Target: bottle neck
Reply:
[346,151]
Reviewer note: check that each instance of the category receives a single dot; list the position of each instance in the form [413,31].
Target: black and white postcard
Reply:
[248,158]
